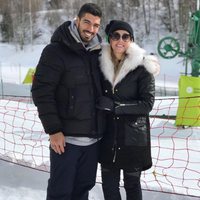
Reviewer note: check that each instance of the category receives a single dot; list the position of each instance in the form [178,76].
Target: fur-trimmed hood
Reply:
[135,56]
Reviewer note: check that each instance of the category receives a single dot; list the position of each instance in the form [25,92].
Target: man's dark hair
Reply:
[90,8]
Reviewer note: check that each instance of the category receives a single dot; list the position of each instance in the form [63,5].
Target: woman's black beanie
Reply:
[118,25]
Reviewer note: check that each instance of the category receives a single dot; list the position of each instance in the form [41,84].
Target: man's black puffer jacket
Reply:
[66,85]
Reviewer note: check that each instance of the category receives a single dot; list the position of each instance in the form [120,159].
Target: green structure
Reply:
[188,113]
[169,47]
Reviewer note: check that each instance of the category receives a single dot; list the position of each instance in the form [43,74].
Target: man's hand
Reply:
[57,142]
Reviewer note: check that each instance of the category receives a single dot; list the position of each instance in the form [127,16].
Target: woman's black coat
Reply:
[126,143]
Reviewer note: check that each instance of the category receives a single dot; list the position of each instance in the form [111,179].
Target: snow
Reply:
[21,183]
[15,63]
[19,62]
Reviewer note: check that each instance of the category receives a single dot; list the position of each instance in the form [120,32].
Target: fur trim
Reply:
[135,56]
[152,64]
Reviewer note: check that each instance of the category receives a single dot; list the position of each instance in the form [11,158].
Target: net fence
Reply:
[175,149]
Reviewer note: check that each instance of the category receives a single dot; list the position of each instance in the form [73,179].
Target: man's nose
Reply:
[91,28]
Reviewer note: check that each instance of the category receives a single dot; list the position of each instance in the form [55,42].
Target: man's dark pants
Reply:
[73,173]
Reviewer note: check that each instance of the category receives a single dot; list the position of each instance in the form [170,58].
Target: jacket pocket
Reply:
[80,104]
[136,133]
[65,103]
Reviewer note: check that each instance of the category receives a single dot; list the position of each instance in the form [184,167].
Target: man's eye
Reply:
[96,26]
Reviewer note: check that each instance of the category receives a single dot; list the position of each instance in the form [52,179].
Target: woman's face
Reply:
[120,40]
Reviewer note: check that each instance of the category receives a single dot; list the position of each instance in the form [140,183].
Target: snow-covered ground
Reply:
[23,141]
[20,183]
[14,64]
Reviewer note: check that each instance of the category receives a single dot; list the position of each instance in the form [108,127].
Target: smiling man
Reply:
[65,88]
[88,26]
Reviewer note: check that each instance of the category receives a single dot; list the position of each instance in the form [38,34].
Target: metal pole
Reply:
[165,92]
[198,4]
[2,92]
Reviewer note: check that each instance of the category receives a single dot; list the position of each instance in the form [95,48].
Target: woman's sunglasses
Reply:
[116,36]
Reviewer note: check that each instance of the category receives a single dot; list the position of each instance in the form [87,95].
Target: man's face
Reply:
[88,26]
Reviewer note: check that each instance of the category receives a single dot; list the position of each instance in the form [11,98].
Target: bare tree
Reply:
[173,16]
[146,9]
[6,22]
[55,4]
[134,3]
[185,8]
[20,17]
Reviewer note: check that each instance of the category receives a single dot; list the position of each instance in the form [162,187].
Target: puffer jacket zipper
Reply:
[115,151]
[114,148]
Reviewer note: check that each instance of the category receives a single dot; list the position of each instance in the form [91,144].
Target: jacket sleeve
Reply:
[46,79]
[146,96]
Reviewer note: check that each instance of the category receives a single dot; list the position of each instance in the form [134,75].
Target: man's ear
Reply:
[77,20]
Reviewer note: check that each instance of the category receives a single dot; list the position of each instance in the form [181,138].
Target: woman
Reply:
[129,88]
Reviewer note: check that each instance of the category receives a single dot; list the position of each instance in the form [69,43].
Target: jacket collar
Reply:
[135,57]
[92,45]
[67,34]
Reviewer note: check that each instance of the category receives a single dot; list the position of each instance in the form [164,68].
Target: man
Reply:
[65,89]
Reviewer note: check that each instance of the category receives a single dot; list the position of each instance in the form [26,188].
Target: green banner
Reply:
[188,113]
[29,76]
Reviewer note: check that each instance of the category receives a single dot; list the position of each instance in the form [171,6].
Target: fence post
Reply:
[165,93]
[2,89]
